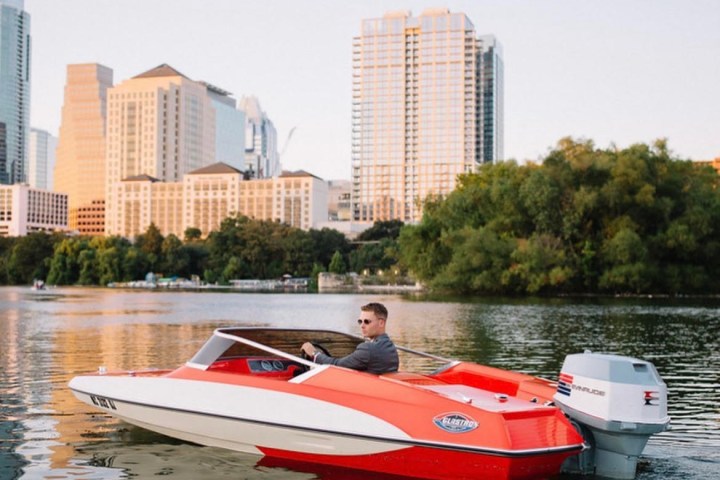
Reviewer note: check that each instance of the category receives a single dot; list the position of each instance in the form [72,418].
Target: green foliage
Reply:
[381,230]
[326,242]
[540,263]
[174,258]
[151,244]
[192,234]
[240,248]
[29,258]
[244,248]
[64,266]
[479,262]
[374,256]
[635,220]
[337,265]
[316,271]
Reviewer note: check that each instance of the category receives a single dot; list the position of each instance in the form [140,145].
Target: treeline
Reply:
[240,248]
[588,220]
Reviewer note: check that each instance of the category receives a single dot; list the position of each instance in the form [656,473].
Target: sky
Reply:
[617,72]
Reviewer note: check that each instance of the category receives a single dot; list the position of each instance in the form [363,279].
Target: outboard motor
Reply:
[616,403]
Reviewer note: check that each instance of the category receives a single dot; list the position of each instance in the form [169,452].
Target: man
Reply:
[376,355]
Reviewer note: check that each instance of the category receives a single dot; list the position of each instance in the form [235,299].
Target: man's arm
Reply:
[358,360]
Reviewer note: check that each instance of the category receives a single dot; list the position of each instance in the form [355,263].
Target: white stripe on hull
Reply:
[237,417]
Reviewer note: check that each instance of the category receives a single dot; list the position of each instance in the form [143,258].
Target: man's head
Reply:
[373,317]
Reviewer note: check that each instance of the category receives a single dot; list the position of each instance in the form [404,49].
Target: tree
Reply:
[234,269]
[382,229]
[30,258]
[192,234]
[316,271]
[326,242]
[150,243]
[65,262]
[337,265]
[541,264]
[6,246]
[87,260]
[479,262]
[175,260]
[297,247]
[625,256]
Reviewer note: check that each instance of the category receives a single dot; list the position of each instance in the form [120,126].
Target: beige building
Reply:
[80,158]
[160,124]
[715,163]
[24,209]
[91,218]
[427,106]
[207,196]
[339,206]
[301,199]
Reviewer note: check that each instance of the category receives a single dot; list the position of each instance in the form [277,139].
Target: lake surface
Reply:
[48,337]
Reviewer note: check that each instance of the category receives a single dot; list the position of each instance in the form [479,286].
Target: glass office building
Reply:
[14,91]
[262,158]
[229,128]
[41,159]
[427,106]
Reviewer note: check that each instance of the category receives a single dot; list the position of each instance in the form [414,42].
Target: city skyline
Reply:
[611,72]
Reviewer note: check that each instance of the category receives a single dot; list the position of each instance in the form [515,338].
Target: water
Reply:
[48,337]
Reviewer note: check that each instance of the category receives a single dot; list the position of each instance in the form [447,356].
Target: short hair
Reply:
[377,308]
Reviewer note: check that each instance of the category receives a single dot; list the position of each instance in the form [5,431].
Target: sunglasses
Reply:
[365,321]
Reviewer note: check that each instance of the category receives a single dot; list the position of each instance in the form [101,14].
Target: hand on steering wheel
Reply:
[317,347]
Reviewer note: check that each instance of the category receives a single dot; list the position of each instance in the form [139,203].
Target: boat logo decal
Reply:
[651,397]
[455,422]
[566,385]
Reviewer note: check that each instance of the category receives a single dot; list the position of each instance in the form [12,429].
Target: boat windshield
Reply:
[230,343]
[245,342]
[290,340]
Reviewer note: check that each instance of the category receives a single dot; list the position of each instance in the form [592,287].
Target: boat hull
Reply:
[257,421]
[437,463]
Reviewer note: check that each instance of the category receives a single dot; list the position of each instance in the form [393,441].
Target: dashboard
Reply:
[260,366]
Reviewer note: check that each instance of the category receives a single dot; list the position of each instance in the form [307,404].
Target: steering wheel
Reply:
[317,346]
[304,368]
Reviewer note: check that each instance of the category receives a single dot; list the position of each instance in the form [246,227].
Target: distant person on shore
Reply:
[376,355]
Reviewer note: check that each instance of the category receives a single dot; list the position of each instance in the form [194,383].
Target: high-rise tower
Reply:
[80,160]
[427,106]
[14,91]
[41,159]
[261,153]
[492,89]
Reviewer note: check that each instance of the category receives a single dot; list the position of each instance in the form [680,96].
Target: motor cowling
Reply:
[618,403]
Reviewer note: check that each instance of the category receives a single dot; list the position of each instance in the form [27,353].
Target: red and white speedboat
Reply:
[248,391]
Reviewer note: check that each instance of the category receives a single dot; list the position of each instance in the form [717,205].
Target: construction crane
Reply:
[287,142]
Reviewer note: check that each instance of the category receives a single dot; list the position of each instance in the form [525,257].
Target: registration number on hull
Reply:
[103,402]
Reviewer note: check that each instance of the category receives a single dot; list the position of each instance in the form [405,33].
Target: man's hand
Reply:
[309,350]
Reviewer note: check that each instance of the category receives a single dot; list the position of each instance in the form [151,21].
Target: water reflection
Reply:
[46,339]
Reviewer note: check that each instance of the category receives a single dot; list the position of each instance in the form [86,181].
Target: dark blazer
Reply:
[374,356]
